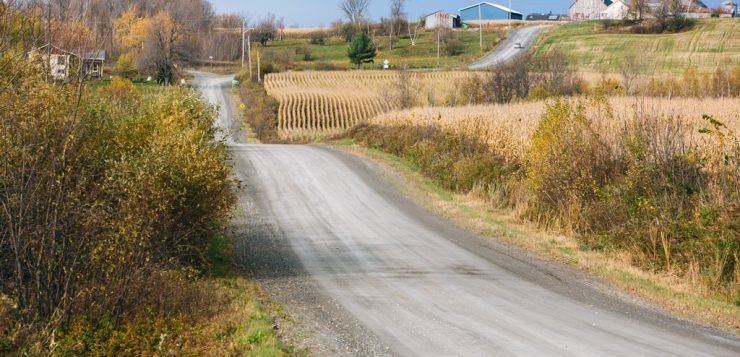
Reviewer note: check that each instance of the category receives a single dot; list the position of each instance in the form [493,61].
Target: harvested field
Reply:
[710,44]
[315,104]
[509,127]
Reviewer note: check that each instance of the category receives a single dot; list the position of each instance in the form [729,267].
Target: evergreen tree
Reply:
[361,50]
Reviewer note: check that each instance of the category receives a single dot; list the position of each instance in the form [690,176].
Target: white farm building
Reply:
[588,9]
[441,19]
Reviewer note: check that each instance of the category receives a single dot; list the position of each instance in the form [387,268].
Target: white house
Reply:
[57,61]
[618,10]
[729,6]
[60,63]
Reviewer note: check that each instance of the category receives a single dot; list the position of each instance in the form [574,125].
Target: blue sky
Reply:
[323,12]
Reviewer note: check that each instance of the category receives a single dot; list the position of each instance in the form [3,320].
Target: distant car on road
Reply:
[518,46]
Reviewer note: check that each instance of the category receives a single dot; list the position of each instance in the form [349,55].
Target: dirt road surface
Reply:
[364,271]
[506,51]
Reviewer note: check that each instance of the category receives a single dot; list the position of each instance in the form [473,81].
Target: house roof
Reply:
[94,55]
[501,7]
[437,12]
[606,2]
[97,55]
[693,3]
[543,16]
[617,2]
[55,49]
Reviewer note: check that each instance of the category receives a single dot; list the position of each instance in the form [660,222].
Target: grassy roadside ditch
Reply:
[470,209]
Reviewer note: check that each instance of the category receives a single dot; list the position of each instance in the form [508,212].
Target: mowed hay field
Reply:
[710,44]
[318,103]
[509,127]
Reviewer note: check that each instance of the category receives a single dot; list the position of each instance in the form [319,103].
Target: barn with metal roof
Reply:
[488,11]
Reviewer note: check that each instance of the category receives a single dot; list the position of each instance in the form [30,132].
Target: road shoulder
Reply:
[611,276]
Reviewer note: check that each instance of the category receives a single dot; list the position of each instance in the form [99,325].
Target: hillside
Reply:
[711,43]
[423,55]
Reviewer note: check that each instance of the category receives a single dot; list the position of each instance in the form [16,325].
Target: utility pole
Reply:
[243,21]
[439,32]
[510,10]
[259,76]
[249,49]
[480,25]
[247,36]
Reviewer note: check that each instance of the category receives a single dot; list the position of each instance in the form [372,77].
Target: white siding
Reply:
[59,66]
[616,11]
[439,19]
[587,9]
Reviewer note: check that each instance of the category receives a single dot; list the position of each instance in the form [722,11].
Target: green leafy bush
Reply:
[103,189]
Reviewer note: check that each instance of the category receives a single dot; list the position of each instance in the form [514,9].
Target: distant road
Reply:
[372,273]
[506,51]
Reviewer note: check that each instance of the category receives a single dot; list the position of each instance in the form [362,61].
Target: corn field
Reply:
[319,104]
[509,127]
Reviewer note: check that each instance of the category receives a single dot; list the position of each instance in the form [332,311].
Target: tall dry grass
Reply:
[509,127]
[652,179]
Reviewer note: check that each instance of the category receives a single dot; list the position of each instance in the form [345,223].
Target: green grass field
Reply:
[423,55]
[711,43]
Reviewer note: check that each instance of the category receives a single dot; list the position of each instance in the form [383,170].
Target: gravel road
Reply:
[506,51]
[367,272]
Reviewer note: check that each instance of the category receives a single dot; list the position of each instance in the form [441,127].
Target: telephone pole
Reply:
[439,32]
[510,10]
[480,24]
[248,38]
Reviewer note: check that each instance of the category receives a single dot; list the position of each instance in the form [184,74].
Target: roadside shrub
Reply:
[121,92]
[259,110]
[307,53]
[274,61]
[609,87]
[509,81]
[555,75]
[453,47]
[101,194]
[470,91]
[661,176]
[723,82]
[567,164]
[606,24]
[456,161]
[317,38]
[169,306]
[648,27]
[125,65]
[324,66]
